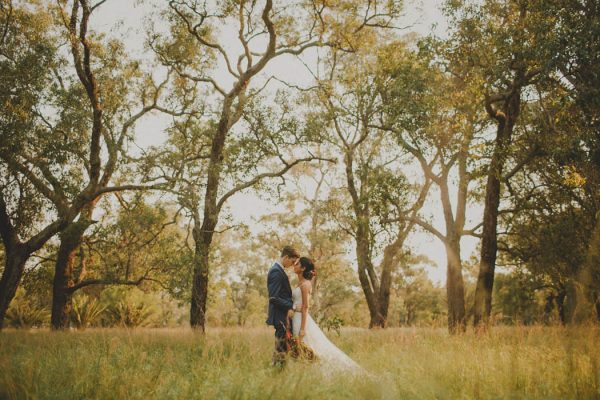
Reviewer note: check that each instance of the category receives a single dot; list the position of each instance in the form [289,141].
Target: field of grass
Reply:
[529,363]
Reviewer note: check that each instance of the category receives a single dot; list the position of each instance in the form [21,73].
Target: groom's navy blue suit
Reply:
[280,302]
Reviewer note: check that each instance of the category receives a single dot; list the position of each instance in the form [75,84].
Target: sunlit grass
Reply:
[544,363]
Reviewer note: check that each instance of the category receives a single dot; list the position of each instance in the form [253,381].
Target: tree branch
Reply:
[193,30]
[36,182]
[535,152]
[122,188]
[428,227]
[266,175]
[89,282]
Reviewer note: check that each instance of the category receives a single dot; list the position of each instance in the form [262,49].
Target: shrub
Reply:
[86,311]
[24,313]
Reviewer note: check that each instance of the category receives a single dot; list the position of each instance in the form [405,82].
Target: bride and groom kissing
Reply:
[289,312]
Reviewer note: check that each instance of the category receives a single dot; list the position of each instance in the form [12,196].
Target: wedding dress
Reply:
[326,352]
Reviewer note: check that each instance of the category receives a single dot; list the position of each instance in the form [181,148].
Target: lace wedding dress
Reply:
[326,352]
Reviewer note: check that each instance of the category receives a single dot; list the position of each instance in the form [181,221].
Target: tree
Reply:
[194,25]
[577,43]
[429,110]
[55,148]
[516,299]
[28,59]
[500,41]
[420,301]
[383,200]
[564,184]
[551,217]
[114,117]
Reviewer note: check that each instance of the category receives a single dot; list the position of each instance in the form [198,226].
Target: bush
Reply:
[25,314]
[335,323]
[129,314]
[128,307]
[86,311]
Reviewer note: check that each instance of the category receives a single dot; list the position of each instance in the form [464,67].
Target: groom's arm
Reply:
[275,285]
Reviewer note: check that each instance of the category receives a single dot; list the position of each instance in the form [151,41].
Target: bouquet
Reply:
[296,348]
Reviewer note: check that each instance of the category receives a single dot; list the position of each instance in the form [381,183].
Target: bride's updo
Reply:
[309,268]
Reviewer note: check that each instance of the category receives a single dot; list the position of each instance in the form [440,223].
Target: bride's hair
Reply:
[309,268]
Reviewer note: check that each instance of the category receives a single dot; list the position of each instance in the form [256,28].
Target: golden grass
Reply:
[527,363]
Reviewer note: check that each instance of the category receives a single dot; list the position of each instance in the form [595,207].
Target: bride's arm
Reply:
[305,290]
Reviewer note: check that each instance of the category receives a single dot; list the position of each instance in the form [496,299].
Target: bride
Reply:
[306,329]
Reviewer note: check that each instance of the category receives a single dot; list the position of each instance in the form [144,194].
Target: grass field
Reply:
[528,363]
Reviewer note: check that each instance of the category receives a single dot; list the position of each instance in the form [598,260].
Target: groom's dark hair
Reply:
[290,252]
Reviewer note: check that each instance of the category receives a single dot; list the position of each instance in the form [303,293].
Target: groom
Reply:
[280,300]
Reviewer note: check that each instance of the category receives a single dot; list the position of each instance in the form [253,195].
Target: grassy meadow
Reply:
[528,363]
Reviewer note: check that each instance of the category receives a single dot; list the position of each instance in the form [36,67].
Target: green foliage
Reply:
[24,313]
[516,299]
[332,324]
[127,308]
[136,240]
[417,301]
[86,311]
[129,315]
[28,55]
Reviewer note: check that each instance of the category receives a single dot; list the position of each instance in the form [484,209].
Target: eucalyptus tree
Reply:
[71,121]
[27,58]
[576,41]
[504,42]
[550,211]
[109,71]
[381,200]
[428,110]
[264,33]
[549,237]
[560,191]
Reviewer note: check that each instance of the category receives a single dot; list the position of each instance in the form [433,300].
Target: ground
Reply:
[231,363]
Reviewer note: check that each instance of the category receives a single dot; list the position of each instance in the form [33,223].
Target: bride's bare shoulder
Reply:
[306,286]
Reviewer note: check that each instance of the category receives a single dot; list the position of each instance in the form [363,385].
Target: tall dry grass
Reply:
[528,363]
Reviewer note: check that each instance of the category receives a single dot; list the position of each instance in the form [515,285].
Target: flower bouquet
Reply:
[296,348]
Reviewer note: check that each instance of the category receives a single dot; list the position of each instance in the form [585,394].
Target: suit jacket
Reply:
[280,295]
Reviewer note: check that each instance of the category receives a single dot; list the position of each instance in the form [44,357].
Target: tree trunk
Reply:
[455,287]
[377,320]
[15,257]
[70,240]
[549,308]
[455,291]
[203,239]
[377,293]
[365,271]
[560,305]
[199,288]
[14,266]
[17,253]
[584,309]
[482,306]
[387,266]
[409,316]
[570,301]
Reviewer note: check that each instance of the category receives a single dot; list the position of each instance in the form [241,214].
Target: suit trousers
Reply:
[280,345]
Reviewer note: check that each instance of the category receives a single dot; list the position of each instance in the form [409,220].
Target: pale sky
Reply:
[129,19]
